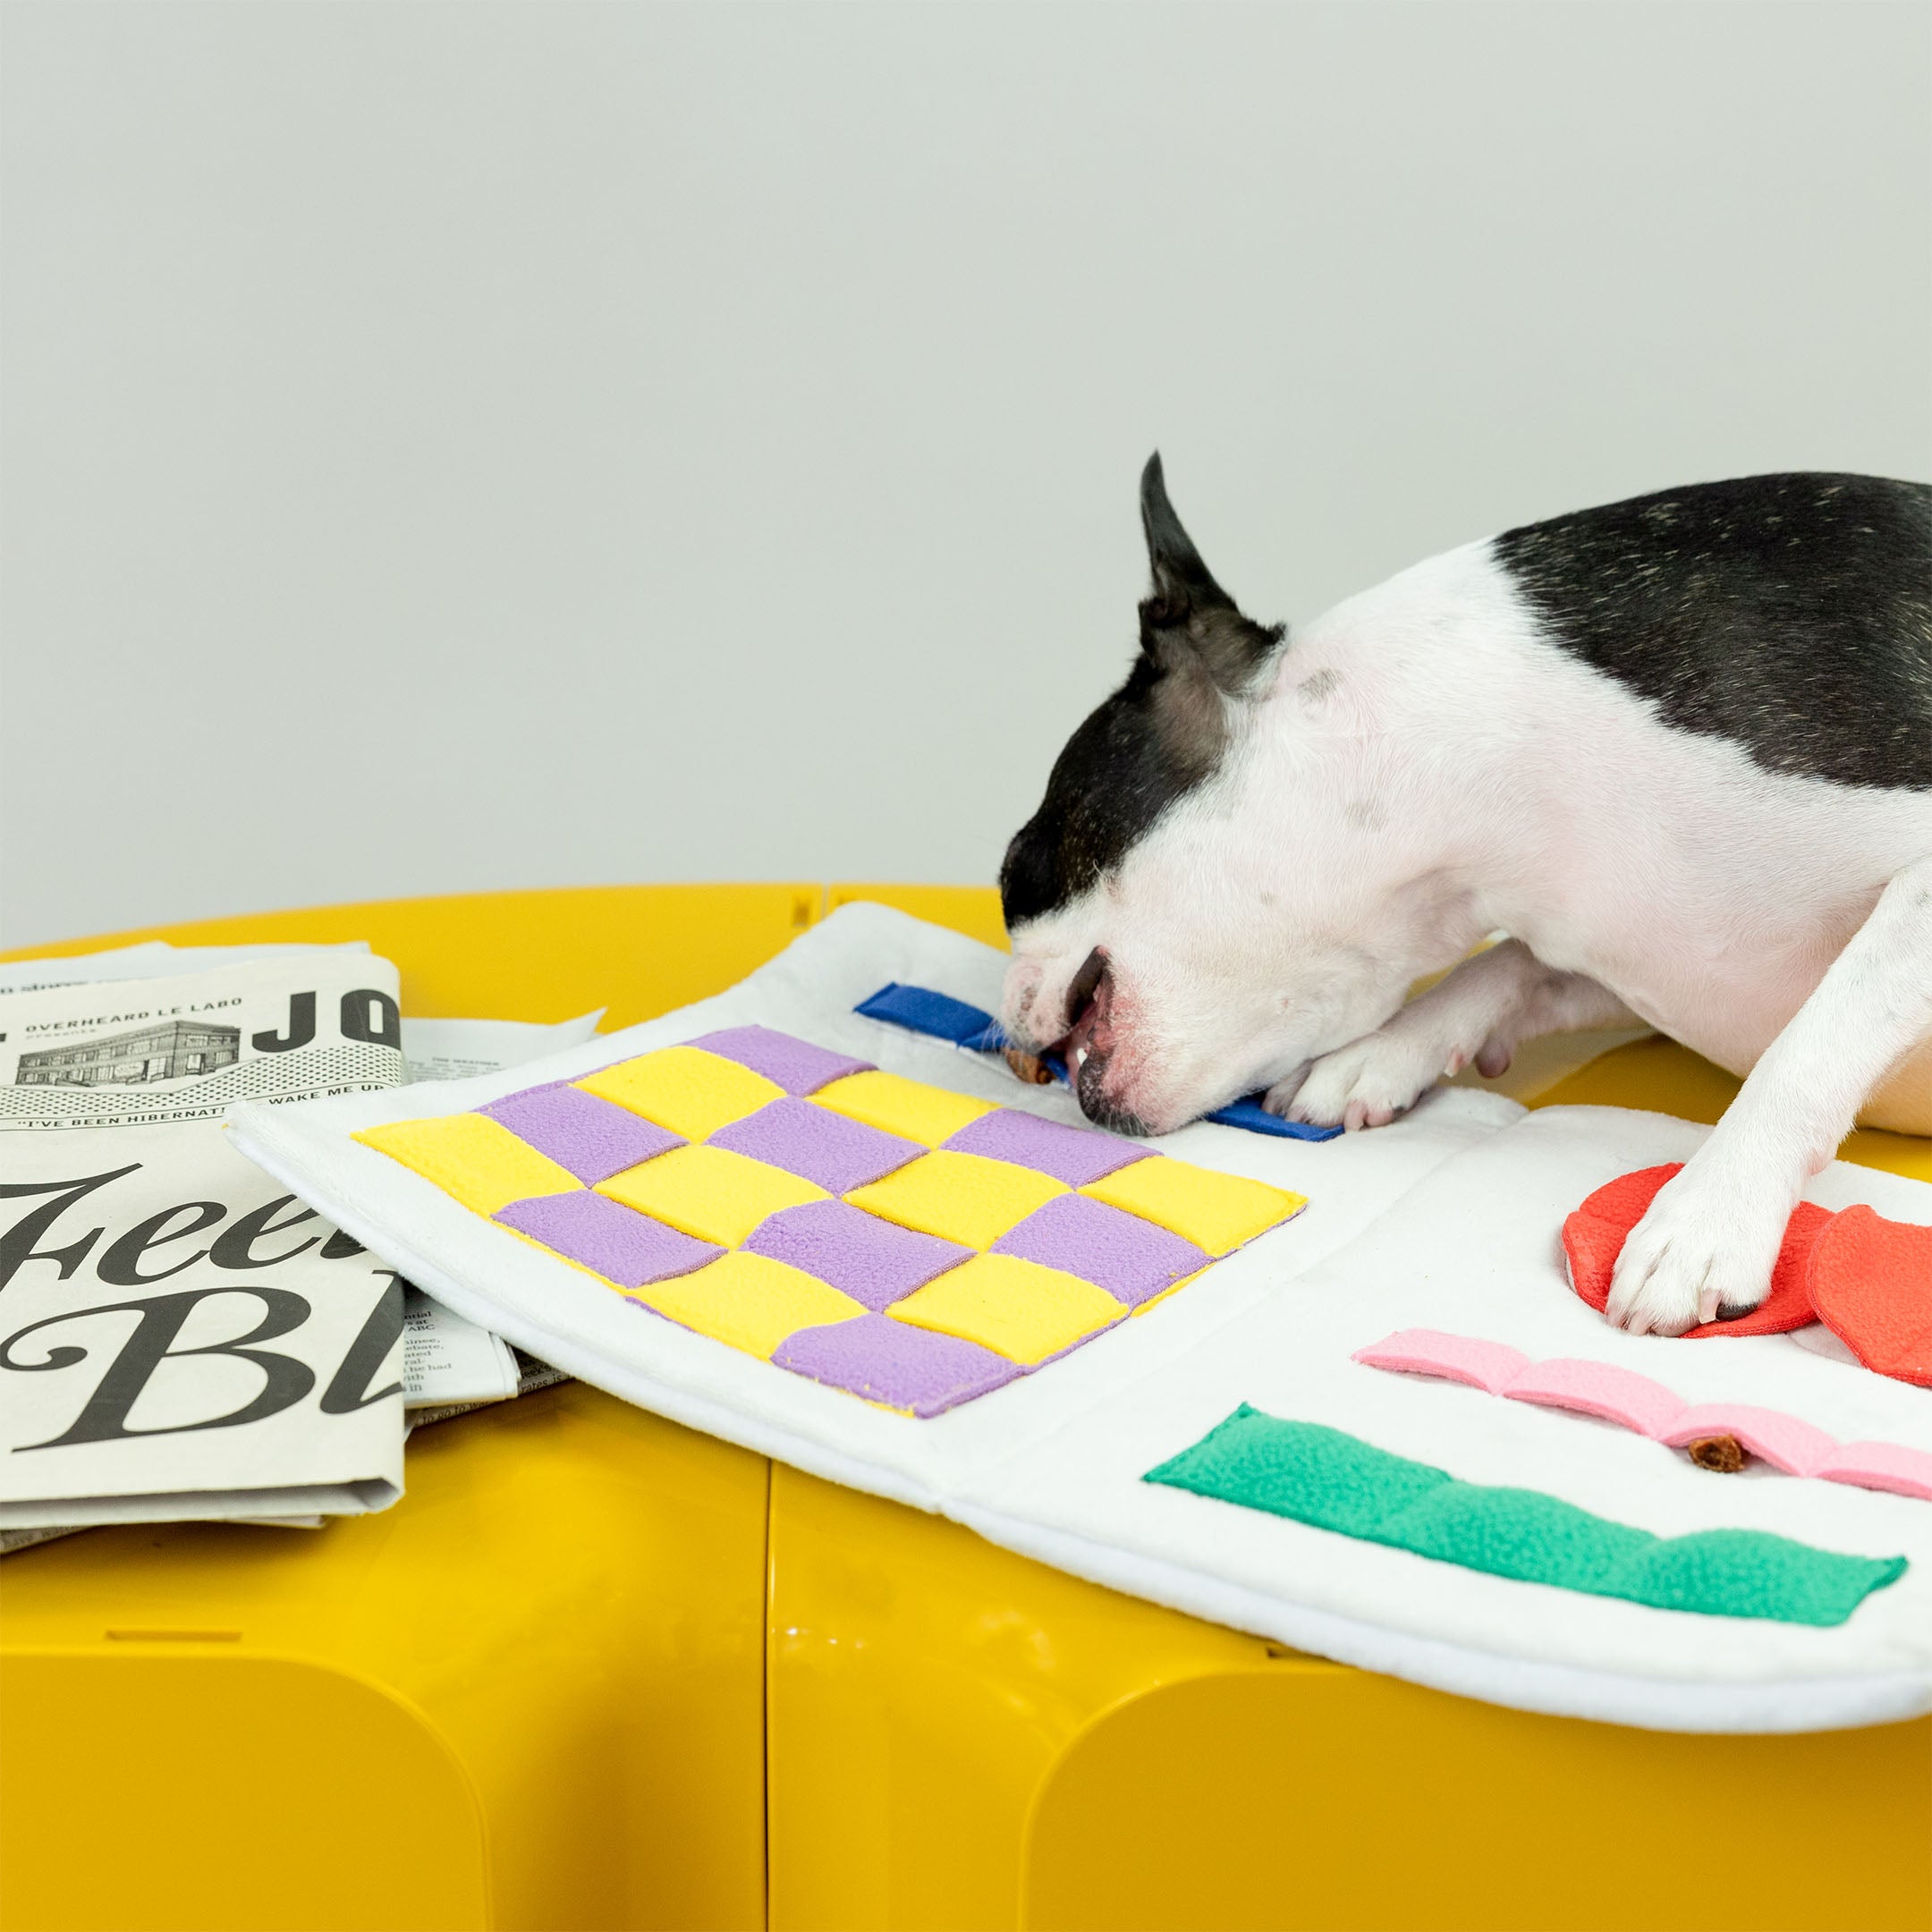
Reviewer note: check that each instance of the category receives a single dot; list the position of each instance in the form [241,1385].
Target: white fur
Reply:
[1427,768]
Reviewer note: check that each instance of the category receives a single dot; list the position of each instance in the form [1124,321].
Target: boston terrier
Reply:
[1678,749]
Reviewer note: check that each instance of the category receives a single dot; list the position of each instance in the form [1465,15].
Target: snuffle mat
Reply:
[911,1245]
[881,1259]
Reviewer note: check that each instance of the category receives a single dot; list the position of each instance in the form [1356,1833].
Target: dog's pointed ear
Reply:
[1190,617]
[1182,582]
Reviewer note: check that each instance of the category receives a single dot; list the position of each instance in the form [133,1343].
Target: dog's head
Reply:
[1161,937]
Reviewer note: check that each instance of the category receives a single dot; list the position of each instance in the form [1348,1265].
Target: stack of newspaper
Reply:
[180,1338]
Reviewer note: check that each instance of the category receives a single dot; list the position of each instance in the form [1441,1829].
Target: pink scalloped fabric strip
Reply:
[1636,1403]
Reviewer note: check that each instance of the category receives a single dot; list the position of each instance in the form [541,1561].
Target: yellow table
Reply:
[597,1672]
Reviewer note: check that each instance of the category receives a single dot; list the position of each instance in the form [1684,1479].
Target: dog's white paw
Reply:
[1705,1249]
[1365,1084]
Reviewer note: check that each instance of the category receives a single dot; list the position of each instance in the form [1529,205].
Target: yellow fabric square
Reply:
[474,1159]
[1022,1311]
[749,1301]
[928,1114]
[1214,1211]
[963,1198]
[710,1192]
[692,1092]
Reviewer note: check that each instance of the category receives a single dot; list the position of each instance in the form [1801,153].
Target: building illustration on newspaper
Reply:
[169,1049]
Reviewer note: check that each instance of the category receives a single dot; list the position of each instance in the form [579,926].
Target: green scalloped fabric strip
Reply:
[1333,1480]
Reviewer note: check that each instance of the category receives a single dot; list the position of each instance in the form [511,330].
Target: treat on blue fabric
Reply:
[940,1016]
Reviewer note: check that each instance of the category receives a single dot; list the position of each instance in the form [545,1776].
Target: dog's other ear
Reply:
[1189,625]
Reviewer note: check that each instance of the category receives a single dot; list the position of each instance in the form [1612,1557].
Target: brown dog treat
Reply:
[1033,1071]
[1724,1454]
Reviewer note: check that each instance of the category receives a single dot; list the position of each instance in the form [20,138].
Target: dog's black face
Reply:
[1157,737]
[1116,775]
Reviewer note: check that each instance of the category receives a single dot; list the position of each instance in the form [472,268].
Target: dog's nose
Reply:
[1090,1090]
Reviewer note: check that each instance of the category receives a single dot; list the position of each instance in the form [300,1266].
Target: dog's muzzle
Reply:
[1089,1044]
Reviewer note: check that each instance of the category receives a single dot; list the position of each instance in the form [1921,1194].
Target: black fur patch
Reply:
[1156,738]
[1792,615]
[1115,776]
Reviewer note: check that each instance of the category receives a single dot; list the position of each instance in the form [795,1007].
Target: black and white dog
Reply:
[1680,749]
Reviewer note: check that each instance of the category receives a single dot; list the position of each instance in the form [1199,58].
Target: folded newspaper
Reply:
[149,1063]
[179,1337]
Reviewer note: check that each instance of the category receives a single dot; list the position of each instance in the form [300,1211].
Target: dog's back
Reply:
[1792,615]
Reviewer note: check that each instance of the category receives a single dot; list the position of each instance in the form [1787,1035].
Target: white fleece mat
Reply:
[1447,1220]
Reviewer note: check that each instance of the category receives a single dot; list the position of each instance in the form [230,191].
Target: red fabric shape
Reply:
[1593,1238]
[1789,1303]
[1870,1281]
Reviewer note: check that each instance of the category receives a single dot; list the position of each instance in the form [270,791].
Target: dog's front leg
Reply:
[1707,1245]
[1479,1012]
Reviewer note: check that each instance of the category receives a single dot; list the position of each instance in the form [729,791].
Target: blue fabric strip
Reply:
[1251,1115]
[940,1016]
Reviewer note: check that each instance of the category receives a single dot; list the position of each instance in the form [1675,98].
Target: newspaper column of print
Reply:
[175,1325]
[247,1243]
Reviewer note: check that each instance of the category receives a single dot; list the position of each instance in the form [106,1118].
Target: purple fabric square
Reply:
[1131,1259]
[795,1064]
[592,1138]
[887,1361]
[1075,1155]
[874,1261]
[619,1243]
[824,1147]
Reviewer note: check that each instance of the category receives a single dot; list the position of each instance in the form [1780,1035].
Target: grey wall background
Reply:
[450,446]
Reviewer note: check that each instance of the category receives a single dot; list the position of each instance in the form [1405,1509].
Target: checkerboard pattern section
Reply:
[910,1245]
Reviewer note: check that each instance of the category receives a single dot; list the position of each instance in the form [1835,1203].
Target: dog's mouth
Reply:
[1089,1003]
[1087,1045]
